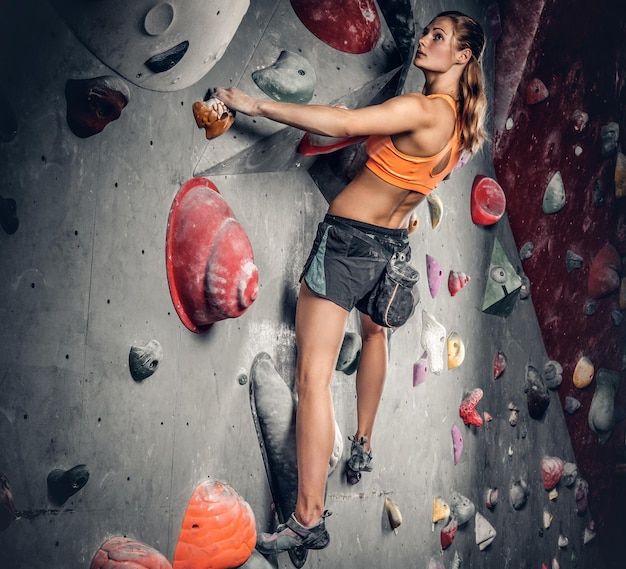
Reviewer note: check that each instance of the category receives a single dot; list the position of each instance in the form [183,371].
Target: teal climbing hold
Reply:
[290,79]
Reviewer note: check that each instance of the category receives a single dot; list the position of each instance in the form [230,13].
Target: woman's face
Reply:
[437,47]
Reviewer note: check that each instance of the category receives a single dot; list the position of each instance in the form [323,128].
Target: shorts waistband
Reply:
[400,234]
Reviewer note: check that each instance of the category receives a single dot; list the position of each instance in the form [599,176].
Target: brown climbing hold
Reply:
[604,274]
[214,116]
[124,553]
[93,103]
[536,92]
[393,513]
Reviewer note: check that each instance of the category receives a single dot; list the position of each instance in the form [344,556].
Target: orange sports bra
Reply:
[412,172]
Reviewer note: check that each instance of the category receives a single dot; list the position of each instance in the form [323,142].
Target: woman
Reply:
[415,141]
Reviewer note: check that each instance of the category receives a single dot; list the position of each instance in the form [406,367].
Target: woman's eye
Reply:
[438,37]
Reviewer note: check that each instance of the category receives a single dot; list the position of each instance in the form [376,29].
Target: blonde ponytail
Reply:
[472,97]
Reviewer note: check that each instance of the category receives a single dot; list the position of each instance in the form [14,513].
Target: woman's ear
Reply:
[463,56]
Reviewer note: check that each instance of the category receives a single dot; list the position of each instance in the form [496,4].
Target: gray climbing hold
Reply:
[290,79]
[554,196]
[143,361]
[602,409]
[572,261]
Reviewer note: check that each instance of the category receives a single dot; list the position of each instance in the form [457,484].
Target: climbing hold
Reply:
[467,409]
[484,531]
[536,92]
[457,443]
[290,79]
[435,207]
[209,259]
[351,26]
[499,364]
[572,261]
[562,541]
[433,340]
[547,519]
[620,175]
[599,198]
[581,492]
[8,217]
[420,370]
[589,533]
[553,374]
[601,416]
[583,373]
[448,532]
[555,564]
[604,274]
[461,508]
[580,119]
[571,404]
[393,513]
[441,509]
[537,395]
[213,116]
[616,317]
[143,361]
[502,286]
[93,103]
[590,307]
[551,471]
[570,473]
[609,134]
[456,350]
[491,498]
[487,417]
[456,561]
[118,552]
[349,354]
[553,494]
[7,508]
[487,201]
[456,281]
[434,273]
[554,195]
[435,564]
[526,250]
[219,526]
[518,494]
[62,484]
[514,415]
[414,223]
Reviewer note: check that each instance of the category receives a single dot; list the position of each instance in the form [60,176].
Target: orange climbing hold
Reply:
[583,373]
[441,509]
[218,531]
[214,116]
[467,409]
[487,201]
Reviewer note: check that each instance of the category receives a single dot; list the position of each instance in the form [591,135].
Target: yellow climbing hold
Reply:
[441,509]
[583,373]
[435,205]
[456,350]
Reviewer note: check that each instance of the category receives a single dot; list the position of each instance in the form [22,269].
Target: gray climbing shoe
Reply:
[360,460]
[291,534]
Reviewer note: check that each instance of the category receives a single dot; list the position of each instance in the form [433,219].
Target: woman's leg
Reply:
[370,378]
[320,328]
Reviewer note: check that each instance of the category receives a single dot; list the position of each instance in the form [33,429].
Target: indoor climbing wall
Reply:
[151,248]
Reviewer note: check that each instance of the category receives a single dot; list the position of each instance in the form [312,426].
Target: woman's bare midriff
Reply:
[372,200]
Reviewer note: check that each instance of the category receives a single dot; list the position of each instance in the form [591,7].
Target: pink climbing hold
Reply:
[604,273]
[434,274]
[351,26]
[457,443]
[467,409]
[420,370]
[499,364]
[551,470]
[487,201]
[536,92]
[456,281]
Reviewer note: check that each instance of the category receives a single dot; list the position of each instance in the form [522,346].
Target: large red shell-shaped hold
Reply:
[124,553]
[210,263]
[487,201]
[604,273]
[551,471]
[467,409]
[351,26]
[218,531]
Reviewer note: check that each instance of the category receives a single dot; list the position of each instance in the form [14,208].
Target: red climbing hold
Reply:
[209,259]
[499,364]
[467,410]
[456,281]
[487,202]
[536,92]
[351,26]
[604,274]
[124,553]
[448,533]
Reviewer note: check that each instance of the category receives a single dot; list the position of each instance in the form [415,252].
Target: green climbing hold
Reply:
[503,283]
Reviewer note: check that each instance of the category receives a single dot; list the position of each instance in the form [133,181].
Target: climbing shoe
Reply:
[292,534]
[360,460]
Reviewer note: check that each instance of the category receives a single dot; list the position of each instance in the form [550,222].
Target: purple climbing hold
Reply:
[420,370]
[457,443]
[434,274]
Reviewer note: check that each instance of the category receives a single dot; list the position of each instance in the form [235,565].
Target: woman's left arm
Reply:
[399,114]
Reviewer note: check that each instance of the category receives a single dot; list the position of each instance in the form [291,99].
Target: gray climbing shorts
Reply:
[344,268]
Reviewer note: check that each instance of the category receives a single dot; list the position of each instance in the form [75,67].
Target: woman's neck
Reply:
[441,84]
